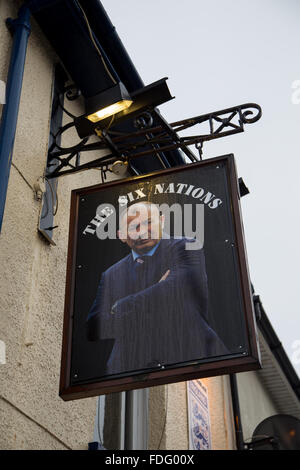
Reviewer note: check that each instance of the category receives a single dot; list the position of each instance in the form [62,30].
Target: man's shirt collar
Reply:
[149,253]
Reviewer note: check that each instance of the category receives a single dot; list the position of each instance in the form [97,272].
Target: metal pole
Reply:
[136,419]
[20,28]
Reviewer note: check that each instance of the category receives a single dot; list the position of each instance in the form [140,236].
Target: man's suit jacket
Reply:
[155,323]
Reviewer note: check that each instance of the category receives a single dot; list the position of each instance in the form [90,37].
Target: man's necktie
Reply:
[143,271]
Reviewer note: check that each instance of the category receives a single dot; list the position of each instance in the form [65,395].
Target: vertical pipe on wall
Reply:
[20,28]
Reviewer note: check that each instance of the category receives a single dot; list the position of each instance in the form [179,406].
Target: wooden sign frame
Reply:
[72,385]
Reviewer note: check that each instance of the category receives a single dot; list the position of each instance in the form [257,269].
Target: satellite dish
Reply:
[278,432]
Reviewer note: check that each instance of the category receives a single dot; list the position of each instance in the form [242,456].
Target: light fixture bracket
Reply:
[153,137]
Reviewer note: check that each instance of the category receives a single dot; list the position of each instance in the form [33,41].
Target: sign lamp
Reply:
[107,103]
[116,103]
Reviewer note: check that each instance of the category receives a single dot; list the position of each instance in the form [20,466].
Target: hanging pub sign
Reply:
[157,286]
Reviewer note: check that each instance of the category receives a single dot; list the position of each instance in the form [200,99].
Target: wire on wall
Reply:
[22,176]
[95,44]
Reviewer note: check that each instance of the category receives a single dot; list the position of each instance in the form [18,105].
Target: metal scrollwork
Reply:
[244,112]
[153,137]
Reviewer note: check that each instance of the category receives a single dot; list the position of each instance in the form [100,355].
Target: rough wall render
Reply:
[177,417]
[221,415]
[157,417]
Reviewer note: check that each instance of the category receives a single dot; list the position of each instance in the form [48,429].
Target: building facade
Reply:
[32,290]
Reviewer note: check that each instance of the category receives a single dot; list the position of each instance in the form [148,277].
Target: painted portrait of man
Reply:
[153,303]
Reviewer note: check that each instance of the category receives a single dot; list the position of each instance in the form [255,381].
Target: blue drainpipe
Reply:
[20,28]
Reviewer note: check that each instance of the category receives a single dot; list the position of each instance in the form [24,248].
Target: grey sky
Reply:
[217,55]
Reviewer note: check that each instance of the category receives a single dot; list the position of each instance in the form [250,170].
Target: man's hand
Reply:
[164,277]
[115,305]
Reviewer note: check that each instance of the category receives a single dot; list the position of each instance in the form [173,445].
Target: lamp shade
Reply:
[108,102]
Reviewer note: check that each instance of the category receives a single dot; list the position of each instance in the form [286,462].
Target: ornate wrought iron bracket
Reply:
[149,139]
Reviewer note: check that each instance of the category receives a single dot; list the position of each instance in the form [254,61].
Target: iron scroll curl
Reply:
[245,112]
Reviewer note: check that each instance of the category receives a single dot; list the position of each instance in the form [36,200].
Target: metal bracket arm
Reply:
[150,140]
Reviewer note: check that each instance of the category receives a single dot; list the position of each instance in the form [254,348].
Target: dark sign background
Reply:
[230,305]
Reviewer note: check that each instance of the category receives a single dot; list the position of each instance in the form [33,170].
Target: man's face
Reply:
[141,227]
